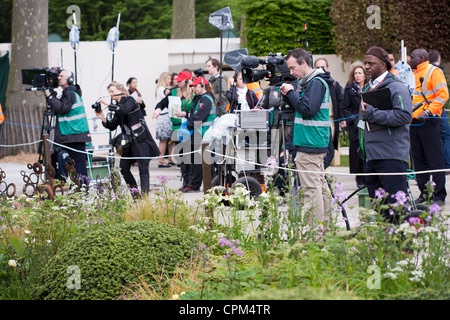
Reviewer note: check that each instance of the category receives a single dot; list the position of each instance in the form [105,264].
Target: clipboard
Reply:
[380,99]
[174,105]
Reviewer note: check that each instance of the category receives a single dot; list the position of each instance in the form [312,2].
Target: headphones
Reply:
[70,79]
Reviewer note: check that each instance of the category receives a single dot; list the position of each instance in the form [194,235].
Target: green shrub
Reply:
[111,259]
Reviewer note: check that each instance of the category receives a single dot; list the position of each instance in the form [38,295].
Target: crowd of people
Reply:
[410,129]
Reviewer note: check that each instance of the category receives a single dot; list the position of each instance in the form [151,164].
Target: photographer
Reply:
[136,139]
[71,129]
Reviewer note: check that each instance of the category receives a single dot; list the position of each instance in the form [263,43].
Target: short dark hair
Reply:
[214,62]
[434,56]
[299,55]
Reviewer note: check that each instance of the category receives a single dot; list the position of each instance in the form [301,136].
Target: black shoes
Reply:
[360,182]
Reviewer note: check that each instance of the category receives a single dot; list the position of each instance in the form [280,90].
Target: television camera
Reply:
[41,79]
[276,71]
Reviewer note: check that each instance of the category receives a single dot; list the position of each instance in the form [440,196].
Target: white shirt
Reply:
[373,84]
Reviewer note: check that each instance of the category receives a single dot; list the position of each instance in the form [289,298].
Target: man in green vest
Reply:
[71,128]
[310,135]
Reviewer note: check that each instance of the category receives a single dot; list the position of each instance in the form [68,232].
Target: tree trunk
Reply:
[183,19]
[29,49]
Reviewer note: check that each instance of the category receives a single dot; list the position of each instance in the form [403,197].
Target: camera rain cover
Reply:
[222,19]
[233,58]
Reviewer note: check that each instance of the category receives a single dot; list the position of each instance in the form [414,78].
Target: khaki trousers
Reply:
[316,194]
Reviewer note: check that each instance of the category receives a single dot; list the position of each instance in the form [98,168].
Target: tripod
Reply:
[48,126]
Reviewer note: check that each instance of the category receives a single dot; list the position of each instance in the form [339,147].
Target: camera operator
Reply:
[137,140]
[310,133]
[71,129]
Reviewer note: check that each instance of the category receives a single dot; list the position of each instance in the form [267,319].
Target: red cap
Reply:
[183,75]
[199,80]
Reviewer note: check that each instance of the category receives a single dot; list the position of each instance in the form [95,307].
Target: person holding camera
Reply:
[310,133]
[136,140]
[71,129]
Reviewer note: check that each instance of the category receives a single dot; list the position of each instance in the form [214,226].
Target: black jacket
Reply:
[131,121]
[62,106]
[232,97]
[203,111]
[350,108]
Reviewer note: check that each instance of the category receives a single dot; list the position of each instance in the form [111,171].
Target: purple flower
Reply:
[401,198]
[162,179]
[414,220]
[380,193]
[434,208]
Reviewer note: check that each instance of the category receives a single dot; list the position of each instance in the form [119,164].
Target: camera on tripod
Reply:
[276,71]
[41,79]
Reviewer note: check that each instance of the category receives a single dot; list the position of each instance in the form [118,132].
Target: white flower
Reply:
[27,231]
[12,263]
[175,297]
[397,269]
[402,263]
[391,275]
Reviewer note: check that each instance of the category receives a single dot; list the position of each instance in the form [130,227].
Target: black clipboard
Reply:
[380,99]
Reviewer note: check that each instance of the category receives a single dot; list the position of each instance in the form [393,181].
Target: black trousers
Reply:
[192,169]
[356,164]
[62,157]
[427,155]
[143,166]
[390,183]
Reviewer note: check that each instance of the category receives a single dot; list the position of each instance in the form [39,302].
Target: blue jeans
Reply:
[445,137]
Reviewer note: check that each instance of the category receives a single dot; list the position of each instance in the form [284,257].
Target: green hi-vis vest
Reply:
[314,132]
[210,119]
[75,120]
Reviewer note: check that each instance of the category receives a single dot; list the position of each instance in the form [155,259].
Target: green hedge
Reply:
[110,259]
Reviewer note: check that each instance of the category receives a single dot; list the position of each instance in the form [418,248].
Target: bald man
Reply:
[71,129]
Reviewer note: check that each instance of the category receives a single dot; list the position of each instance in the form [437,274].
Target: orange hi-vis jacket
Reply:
[434,87]
[2,116]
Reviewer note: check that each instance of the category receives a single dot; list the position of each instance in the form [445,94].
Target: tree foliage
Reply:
[420,23]
[278,26]
[139,19]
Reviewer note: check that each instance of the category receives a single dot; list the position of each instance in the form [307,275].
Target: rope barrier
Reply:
[120,157]
[238,159]
[19,145]
[330,172]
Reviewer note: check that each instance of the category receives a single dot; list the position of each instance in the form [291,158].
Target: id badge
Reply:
[361,124]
